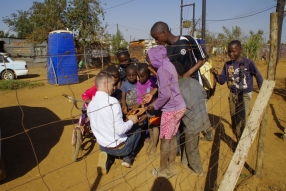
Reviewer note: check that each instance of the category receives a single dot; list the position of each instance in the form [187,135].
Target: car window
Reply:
[6,61]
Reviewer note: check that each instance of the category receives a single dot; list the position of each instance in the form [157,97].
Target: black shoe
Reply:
[208,136]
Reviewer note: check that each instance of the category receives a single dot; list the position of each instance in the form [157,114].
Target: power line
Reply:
[253,11]
[243,16]
[134,28]
[118,5]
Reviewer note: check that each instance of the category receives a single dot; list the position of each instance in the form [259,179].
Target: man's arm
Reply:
[198,53]
[194,68]
[120,126]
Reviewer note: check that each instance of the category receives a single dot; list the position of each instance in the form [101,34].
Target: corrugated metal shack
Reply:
[38,53]
[94,53]
[25,51]
[139,48]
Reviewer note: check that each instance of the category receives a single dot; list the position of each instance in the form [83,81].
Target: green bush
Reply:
[18,84]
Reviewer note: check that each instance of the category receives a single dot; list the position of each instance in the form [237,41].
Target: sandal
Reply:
[155,172]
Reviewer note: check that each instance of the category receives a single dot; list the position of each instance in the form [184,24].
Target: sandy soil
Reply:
[46,116]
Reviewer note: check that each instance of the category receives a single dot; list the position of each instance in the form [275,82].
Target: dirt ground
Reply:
[46,117]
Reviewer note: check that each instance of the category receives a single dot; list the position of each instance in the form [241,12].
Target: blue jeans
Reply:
[127,152]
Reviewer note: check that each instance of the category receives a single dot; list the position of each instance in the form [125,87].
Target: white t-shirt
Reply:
[106,120]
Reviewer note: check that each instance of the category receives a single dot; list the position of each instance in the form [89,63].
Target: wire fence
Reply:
[36,135]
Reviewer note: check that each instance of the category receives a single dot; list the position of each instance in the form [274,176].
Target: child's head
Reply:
[131,73]
[143,73]
[179,67]
[123,57]
[114,71]
[234,49]
[160,32]
[104,81]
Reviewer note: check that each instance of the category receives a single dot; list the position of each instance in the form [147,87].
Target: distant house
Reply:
[94,53]
[139,48]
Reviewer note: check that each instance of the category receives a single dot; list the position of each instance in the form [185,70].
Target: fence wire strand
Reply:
[215,155]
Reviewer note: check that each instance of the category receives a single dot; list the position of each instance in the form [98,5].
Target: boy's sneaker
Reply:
[127,162]
[102,161]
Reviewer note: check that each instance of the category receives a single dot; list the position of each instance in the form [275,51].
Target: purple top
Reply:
[145,88]
[169,96]
[239,76]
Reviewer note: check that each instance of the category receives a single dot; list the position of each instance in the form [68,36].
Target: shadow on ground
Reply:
[17,150]
[220,135]
[28,76]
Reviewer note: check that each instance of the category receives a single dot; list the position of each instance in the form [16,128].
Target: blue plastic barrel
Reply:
[62,65]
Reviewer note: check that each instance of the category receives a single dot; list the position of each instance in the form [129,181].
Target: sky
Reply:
[135,18]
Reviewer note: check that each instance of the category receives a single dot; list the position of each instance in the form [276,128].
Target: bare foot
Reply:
[183,165]
[197,174]
[152,151]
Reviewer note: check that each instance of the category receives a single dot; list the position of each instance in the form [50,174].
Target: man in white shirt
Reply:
[115,137]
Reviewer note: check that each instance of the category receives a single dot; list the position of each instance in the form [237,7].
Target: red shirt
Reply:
[89,93]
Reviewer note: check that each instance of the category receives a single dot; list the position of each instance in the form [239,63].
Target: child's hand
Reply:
[147,98]
[135,106]
[142,118]
[124,110]
[133,118]
[213,71]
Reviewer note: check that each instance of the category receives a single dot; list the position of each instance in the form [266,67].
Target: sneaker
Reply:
[102,159]
[126,162]
[208,136]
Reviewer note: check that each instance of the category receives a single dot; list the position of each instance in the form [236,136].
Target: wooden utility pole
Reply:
[204,7]
[194,25]
[181,17]
[280,10]
[273,46]
[270,76]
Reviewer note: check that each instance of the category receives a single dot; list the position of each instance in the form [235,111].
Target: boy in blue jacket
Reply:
[238,73]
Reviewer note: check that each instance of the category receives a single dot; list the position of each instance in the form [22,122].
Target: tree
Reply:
[234,34]
[42,18]
[19,23]
[253,45]
[83,16]
[117,41]
[6,35]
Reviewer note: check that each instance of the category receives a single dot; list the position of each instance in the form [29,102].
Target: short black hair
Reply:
[160,27]
[237,42]
[144,67]
[122,51]
[112,69]
[132,67]
[179,67]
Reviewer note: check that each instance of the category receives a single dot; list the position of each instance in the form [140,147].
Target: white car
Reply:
[11,69]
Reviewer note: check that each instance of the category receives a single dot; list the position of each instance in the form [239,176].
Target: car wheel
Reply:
[8,75]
